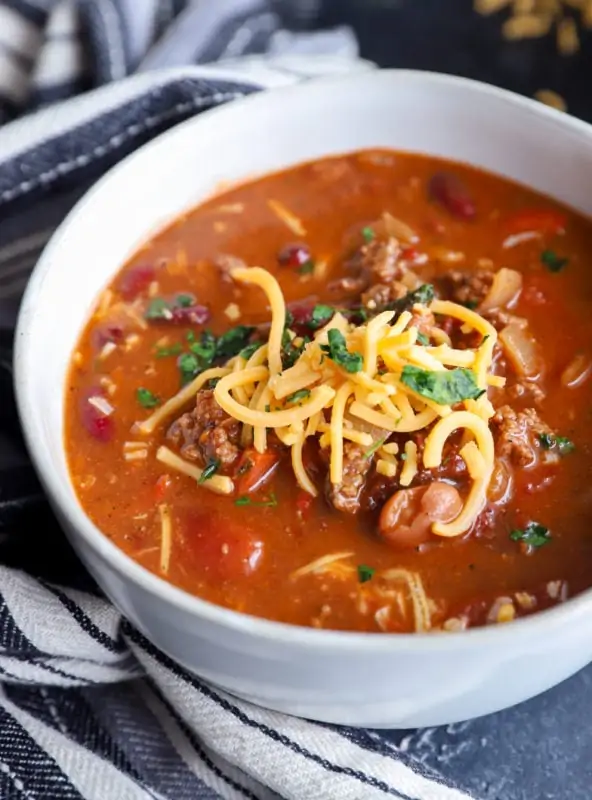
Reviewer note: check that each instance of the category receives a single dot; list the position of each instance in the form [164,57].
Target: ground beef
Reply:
[207,433]
[469,288]
[526,391]
[517,435]
[346,496]
[380,294]
[225,265]
[424,321]
[380,260]
[500,318]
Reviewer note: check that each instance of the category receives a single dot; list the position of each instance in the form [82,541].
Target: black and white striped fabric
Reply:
[88,707]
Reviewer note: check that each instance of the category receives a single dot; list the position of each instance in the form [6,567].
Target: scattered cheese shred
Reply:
[166,537]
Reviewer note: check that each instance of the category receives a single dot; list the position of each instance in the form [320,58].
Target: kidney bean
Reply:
[135,280]
[190,315]
[100,426]
[294,255]
[449,191]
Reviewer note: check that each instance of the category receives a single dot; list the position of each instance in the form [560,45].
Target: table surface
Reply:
[541,749]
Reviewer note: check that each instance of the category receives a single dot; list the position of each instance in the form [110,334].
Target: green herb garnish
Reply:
[445,387]
[246,501]
[295,397]
[189,367]
[291,352]
[306,268]
[563,445]
[158,308]
[248,351]
[552,261]
[173,350]
[423,339]
[534,535]
[204,350]
[233,341]
[146,398]
[471,304]
[338,352]
[423,295]
[210,469]
[368,234]
[184,300]
[373,448]
[365,573]
[403,456]
[321,315]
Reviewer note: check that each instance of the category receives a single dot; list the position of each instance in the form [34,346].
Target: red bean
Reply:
[135,280]
[294,255]
[100,426]
[106,332]
[451,193]
[190,315]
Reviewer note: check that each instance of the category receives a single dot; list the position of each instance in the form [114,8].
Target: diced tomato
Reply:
[134,281]
[543,220]
[161,486]
[254,469]
[223,549]
[303,504]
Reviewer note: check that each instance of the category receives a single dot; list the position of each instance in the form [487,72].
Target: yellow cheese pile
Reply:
[317,396]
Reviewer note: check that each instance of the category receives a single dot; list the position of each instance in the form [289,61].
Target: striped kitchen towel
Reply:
[89,709]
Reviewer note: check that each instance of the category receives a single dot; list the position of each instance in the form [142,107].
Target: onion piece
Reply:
[388,225]
[101,404]
[504,290]
[576,372]
[521,350]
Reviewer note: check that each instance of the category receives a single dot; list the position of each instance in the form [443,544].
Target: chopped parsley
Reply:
[552,261]
[189,367]
[368,234]
[533,535]
[291,352]
[204,349]
[210,469]
[173,350]
[423,295]
[423,339]
[146,398]
[470,304]
[403,456]
[158,308]
[307,267]
[562,444]
[321,315]
[365,573]
[296,397]
[246,501]
[248,351]
[374,447]
[233,341]
[184,300]
[338,352]
[445,387]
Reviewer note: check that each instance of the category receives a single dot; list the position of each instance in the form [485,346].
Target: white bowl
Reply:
[350,678]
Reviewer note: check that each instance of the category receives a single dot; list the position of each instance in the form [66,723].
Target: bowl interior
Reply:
[419,112]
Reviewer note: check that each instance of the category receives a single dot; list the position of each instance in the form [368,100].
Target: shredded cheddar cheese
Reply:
[358,384]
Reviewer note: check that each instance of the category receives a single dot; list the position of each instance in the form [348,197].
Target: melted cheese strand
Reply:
[432,458]
[266,281]
[336,432]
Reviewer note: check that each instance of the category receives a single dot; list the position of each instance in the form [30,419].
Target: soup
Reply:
[352,395]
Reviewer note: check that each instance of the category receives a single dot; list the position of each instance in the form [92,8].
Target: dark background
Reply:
[541,750]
